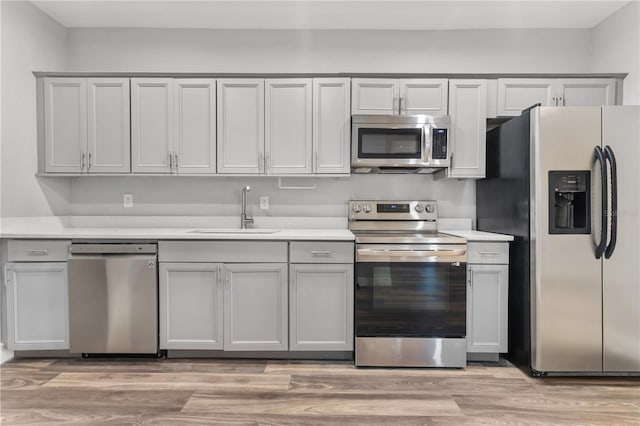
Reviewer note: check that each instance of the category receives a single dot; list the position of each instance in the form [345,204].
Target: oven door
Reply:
[384,145]
[417,291]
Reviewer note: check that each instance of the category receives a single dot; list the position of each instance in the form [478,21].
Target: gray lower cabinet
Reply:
[191,306]
[321,307]
[487,304]
[255,316]
[37,306]
[215,306]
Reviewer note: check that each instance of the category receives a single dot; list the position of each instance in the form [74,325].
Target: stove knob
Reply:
[418,208]
[367,208]
[430,208]
[356,208]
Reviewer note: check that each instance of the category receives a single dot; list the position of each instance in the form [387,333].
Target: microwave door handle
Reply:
[603,183]
[426,143]
[611,158]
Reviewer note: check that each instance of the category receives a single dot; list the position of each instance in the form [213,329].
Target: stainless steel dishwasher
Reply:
[113,298]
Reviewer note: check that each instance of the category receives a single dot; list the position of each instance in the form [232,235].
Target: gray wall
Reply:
[616,48]
[221,196]
[482,51]
[32,41]
[305,51]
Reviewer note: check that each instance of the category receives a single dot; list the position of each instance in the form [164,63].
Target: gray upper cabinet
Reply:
[152,125]
[191,306]
[288,132]
[517,94]
[586,91]
[374,96]
[399,97]
[86,125]
[331,125]
[468,111]
[423,96]
[65,124]
[256,299]
[109,141]
[194,141]
[37,306]
[173,125]
[240,126]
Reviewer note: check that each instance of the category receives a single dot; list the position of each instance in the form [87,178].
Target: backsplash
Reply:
[220,196]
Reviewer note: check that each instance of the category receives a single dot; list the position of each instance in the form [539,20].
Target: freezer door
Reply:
[621,271]
[566,286]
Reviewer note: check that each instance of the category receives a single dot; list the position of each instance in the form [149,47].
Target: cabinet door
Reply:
[151,125]
[191,307]
[586,91]
[194,146]
[423,96]
[516,94]
[468,110]
[256,314]
[374,96]
[331,125]
[321,307]
[109,140]
[240,121]
[288,126]
[37,306]
[487,303]
[65,124]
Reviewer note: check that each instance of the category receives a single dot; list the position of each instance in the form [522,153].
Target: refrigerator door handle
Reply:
[603,179]
[611,158]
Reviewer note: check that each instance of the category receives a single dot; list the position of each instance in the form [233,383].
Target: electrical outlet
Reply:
[264,202]
[127,201]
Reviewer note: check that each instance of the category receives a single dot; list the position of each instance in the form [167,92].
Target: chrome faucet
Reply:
[244,219]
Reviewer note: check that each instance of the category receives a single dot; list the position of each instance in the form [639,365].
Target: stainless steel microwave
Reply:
[399,143]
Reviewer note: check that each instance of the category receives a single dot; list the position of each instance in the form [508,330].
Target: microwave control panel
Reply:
[439,144]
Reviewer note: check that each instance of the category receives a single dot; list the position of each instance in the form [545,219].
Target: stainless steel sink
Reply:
[233,231]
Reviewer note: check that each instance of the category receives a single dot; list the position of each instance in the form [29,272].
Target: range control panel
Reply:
[393,210]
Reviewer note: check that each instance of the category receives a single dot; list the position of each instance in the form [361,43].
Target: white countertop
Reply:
[181,234]
[324,229]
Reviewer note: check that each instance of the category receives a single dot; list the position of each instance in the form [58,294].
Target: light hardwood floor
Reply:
[250,392]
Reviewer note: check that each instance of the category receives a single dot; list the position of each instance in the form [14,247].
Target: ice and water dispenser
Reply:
[569,202]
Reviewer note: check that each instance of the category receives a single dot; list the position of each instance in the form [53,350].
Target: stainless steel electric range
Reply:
[410,286]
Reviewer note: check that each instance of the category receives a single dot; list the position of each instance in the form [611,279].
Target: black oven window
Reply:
[390,143]
[410,299]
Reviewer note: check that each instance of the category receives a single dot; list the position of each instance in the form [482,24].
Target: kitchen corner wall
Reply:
[616,48]
[31,41]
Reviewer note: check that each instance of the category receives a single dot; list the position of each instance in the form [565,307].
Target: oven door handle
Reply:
[383,255]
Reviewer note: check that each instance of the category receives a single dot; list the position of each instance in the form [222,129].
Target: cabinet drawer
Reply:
[223,251]
[37,250]
[489,253]
[320,252]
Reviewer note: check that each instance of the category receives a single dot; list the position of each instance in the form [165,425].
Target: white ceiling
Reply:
[331,14]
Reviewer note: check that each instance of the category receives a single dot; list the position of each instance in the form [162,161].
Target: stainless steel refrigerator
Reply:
[565,181]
